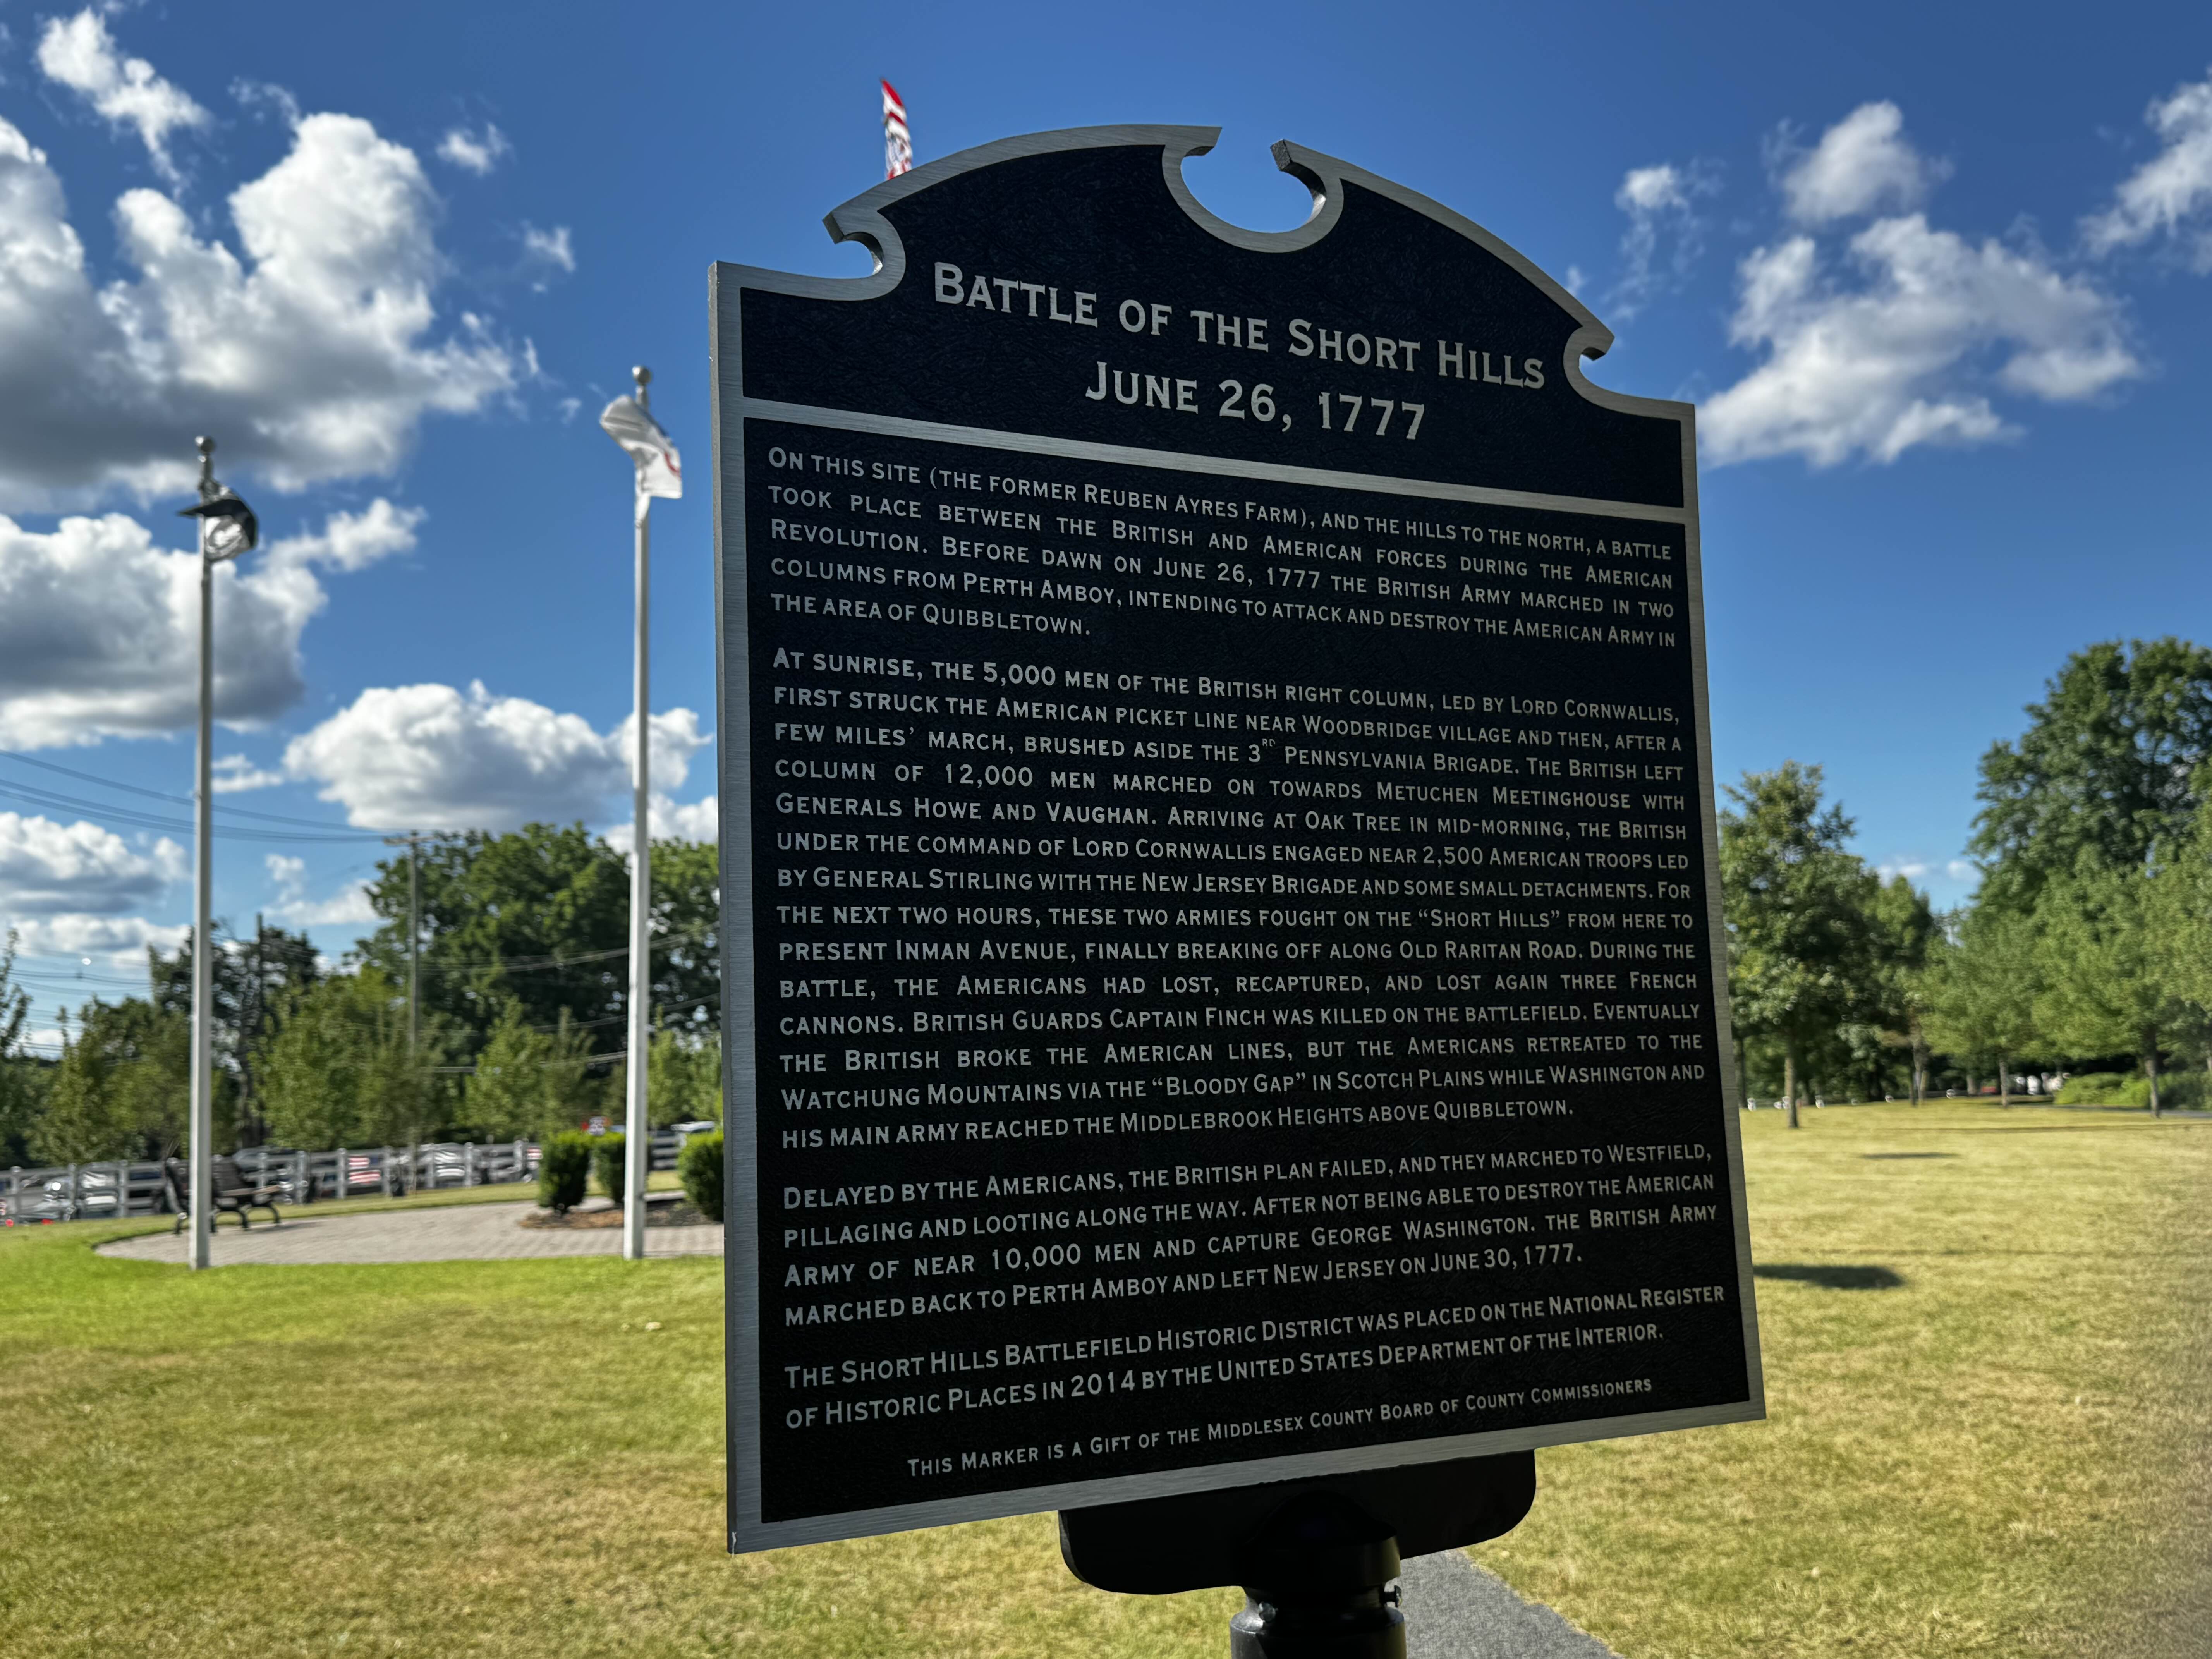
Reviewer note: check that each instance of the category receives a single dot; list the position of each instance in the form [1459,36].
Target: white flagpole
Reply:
[202,1119]
[635,1130]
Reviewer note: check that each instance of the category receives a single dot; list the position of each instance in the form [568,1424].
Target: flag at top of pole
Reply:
[898,142]
[659,469]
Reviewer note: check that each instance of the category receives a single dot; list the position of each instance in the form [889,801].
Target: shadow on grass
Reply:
[1881,1157]
[1830,1277]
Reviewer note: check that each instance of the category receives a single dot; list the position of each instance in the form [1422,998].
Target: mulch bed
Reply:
[659,1212]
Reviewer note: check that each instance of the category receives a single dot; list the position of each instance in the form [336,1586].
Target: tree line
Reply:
[521,951]
[2087,945]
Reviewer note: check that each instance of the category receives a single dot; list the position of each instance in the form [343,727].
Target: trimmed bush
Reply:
[564,1166]
[700,1167]
[607,1162]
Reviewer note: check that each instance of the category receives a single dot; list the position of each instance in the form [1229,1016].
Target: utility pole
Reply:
[226,529]
[413,843]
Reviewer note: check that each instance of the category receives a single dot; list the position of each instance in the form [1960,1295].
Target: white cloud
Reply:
[676,739]
[353,541]
[1961,870]
[81,54]
[433,757]
[1661,205]
[1912,869]
[49,869]
[474,152]
[100,628]
[1906,352]
[698,820]
[1862,163]
[122,940]
[234,773]
[2171,194]
[309,354]
[550,247]
[348,904]
[545,251]
[265,97]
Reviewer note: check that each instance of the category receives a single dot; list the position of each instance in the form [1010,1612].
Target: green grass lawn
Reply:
[1996,1453]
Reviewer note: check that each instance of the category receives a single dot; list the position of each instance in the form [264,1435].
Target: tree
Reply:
[2108,989]
[540,918]
[2180,920]
[22,1087]
[252,983]
[122,1088]
[684,1083]
[2111,762]
[1801,946]
[529,1083]
[338,1072]
[1906,933]
[1985,987]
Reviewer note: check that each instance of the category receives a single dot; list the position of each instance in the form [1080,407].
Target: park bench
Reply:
[232,1192]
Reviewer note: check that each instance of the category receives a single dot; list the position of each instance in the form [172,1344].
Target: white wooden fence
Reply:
[91,1192]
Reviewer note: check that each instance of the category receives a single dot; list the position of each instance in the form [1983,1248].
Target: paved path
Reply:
[462,1232]
[1456,1610]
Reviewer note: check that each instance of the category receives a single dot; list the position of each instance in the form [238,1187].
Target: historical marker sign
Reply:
[1224,952]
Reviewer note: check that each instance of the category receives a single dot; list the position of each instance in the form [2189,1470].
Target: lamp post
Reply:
[226,529]
[637,1136]
[629,422]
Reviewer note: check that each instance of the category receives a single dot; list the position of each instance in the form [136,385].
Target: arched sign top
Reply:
[1041,263]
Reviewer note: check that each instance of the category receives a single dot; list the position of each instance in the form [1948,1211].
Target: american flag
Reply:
[898,143]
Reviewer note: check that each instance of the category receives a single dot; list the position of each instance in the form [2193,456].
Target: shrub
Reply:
[564,1164]
[607,1161]
[2179,1090]
[2095,1089]
[700,1167]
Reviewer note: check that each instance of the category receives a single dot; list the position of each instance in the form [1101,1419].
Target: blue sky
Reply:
[1940,289]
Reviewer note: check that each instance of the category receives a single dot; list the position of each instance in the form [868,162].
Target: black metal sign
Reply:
[1224,974]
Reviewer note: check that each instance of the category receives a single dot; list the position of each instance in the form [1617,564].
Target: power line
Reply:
[56,801]
[181,800]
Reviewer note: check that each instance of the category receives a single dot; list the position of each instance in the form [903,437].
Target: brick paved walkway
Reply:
[463,1232]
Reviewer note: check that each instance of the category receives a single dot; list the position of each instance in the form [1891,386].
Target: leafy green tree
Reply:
[2180,921]
[1906,933]
[540,918]
[529,1084]
[1802,953]
[22,1082]
[122,1089]
[252,982]
[2108,984]
[1985,989]
[2111,762]
[684,1081]
[338,1071]
[687,946]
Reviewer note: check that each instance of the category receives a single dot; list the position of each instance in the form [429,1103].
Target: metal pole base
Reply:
[1315,1586]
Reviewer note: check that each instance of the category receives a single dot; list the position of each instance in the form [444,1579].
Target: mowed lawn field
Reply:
[1986,1338]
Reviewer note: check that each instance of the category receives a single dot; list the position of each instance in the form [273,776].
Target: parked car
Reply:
[50,1199]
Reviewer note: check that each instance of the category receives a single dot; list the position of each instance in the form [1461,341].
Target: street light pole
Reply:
[202,1093]
[636,1135]
[226,529]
